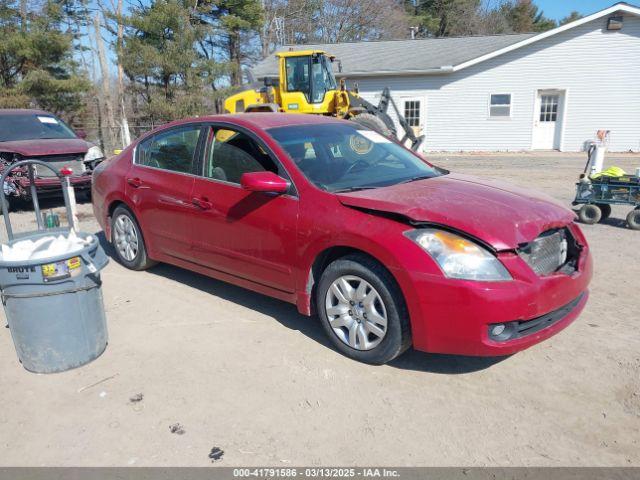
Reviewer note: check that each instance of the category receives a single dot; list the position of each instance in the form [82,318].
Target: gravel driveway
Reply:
[249,375]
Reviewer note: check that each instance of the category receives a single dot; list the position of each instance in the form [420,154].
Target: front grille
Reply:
[74,162]
[547,253]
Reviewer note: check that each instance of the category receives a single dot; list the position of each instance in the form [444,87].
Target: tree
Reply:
[36,59]
[572,17]
[234,24]
[113,23]
[523,17]
[357,20]
[159,55]
[442,18]
[331,21]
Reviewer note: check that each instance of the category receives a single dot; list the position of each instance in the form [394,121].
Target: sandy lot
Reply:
[251,376]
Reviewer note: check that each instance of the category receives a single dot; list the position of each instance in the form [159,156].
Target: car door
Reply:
[247,234]
[159,185]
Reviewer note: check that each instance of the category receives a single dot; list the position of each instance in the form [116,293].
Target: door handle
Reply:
[134,182]
[202,203]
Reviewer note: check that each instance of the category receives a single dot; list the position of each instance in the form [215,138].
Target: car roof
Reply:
[22,111]
[264,120]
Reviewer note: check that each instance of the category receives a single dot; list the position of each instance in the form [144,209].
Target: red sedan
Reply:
[387,249]
[39,135]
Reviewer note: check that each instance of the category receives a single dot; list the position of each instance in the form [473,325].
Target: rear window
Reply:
[31,126]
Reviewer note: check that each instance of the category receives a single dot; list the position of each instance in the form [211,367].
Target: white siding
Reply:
[598,69]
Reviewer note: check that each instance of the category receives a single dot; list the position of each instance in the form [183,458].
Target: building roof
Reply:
[427,56]
[373,58]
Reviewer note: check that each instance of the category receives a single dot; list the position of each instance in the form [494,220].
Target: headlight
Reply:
[459,257]
[94,153]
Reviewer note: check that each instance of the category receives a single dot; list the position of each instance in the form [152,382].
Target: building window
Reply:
[549,108]
[412,112]
[500,105]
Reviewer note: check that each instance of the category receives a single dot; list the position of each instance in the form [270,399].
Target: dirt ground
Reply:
[249,375]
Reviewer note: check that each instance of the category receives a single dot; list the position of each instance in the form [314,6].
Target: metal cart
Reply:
[597,196]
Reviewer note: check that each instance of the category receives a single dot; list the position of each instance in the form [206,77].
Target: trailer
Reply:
[598,195]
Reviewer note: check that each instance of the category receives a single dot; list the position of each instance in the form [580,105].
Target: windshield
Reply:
[323,79]
[31,126]
[342,157]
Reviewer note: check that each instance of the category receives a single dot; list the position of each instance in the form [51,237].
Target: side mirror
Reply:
[266,182]
[81,134]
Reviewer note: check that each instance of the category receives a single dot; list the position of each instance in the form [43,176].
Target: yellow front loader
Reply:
[306,84]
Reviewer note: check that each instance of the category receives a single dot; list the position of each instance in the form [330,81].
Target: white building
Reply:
[552,90]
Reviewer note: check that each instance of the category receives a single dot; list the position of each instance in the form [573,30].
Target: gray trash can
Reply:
[54,305]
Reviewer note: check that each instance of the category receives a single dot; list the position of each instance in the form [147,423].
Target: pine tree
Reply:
[523,16]
[442,18]
[234,23]
[36,60]
[572,17]
[159,56]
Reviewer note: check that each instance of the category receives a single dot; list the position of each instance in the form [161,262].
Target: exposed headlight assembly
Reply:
[93,154]
[458,257]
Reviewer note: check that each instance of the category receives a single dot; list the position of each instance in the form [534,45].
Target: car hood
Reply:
[37,148]
[498,214]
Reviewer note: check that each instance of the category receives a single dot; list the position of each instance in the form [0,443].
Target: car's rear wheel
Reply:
[362,310]
[590,214]
[128,241]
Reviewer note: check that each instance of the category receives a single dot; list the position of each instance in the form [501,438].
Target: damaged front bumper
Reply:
[20,186]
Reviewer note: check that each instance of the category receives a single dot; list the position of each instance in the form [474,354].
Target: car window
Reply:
[231,153]
[297,74]
[33,126]
[173,150]
[341,156]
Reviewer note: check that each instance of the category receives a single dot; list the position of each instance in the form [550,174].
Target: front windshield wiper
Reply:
[354,189]
[415,179]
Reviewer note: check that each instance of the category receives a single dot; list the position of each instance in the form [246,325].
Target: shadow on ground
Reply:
[610,221]
[615,222]
[287,315]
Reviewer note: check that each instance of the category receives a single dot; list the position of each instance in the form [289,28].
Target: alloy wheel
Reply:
[356,312]
[126,238]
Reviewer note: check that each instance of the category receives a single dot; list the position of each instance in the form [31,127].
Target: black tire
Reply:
[605,209]
[633,219]
[374,123]
[590,214]
[398,334]
[141,260]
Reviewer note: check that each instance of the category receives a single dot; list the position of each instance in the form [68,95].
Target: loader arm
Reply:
[359,105]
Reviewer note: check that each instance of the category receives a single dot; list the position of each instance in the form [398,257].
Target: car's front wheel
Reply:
[128,241]
[362,310]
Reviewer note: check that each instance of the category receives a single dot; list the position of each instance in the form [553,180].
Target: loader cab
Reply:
[308,73]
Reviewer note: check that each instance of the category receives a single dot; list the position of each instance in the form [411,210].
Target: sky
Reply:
[558,9]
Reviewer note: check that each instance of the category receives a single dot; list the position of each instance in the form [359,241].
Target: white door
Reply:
[547,125]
